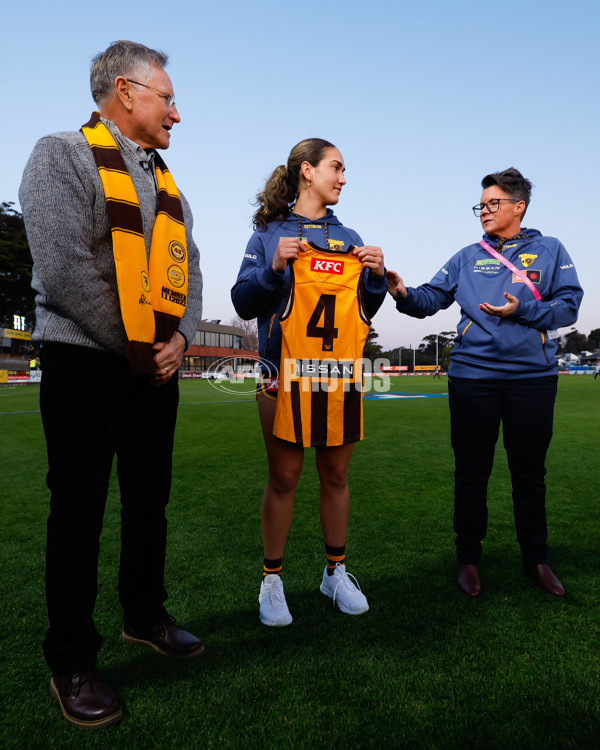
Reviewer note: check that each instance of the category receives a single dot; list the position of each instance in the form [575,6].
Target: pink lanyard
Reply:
[519,274]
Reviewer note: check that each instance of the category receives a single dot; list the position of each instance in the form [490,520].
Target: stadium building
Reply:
[214,342]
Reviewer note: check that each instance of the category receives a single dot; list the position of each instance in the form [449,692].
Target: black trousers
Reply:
[93,409]
[526,409]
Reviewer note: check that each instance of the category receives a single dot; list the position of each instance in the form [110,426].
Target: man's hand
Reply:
[168,357]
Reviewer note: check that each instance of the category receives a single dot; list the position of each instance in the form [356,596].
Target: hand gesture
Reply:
[395,285]
[504,311]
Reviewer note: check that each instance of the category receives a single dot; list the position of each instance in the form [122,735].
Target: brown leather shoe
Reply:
[468,579]
[545,578]
[166,638]
[86,700]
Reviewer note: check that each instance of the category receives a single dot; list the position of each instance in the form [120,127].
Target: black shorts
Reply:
[268,387]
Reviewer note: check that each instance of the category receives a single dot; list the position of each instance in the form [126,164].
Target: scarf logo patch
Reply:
[145,282]
[177,251]
[527,259]
[176,276]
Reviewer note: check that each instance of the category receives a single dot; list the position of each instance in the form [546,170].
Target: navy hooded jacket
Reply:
[522,345]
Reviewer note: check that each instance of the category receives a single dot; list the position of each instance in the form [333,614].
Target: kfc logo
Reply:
[327,266]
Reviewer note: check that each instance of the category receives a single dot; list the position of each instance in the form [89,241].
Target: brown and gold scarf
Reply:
[152,292]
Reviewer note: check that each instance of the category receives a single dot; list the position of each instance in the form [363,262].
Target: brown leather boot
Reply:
[166,638]
[545,578]
[86,700]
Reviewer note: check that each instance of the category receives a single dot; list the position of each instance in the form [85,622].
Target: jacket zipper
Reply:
[264,354]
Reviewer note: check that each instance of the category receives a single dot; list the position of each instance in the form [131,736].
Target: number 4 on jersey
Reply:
[327,332]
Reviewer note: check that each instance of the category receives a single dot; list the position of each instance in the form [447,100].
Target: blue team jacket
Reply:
[523,345]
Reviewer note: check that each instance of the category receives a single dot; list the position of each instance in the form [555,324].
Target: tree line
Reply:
[573,342]
[16,295]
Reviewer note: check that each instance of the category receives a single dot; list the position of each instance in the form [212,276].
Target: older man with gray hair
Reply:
[119,296]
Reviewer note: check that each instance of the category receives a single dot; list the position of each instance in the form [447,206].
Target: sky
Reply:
[422,99]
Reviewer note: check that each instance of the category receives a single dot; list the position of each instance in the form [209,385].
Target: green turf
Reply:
[425,668]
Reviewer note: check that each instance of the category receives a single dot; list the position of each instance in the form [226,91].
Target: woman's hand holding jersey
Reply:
[395,285]
[504,311]
[371,257]
[287,249]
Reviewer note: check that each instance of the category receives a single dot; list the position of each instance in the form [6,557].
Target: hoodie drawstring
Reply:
[319,224]
[503,240]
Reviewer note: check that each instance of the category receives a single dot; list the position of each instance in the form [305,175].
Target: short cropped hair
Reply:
[512,182]
[122,58]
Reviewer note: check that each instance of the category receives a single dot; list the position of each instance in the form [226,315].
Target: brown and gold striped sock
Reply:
[335,555]
[271,567]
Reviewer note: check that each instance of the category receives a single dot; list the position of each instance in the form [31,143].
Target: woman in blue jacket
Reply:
[515,288]
[292,209]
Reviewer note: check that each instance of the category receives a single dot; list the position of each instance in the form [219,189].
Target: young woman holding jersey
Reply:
[292,218]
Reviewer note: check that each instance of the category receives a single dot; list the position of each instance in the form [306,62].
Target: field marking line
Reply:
[208,403]
[10,413]
[391,396]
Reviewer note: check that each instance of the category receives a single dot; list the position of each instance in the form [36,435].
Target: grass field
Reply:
[426,667]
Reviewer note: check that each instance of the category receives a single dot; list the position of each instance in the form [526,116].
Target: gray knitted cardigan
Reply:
[68,230]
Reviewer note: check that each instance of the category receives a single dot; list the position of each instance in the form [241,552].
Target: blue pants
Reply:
[93,409]
[526,408]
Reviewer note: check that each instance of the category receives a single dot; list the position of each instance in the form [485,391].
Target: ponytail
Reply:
[283,186]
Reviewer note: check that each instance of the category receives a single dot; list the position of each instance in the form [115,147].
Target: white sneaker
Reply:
[344,593]
[273,610]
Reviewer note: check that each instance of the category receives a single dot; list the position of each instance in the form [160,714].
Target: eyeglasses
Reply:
[492,205]
[169,99]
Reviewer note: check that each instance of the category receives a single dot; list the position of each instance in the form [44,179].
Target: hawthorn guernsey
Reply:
[261,292]
[324,328]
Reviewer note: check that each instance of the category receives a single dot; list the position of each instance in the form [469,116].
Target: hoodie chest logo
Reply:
[527,259]
[535,276]
[487,266]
